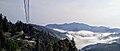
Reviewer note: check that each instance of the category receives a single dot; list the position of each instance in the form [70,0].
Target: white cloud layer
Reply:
[84,38]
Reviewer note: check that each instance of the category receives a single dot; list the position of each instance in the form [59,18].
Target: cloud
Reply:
[84,38]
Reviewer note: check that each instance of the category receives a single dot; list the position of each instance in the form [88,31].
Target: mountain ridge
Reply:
[82,26]
[102,47]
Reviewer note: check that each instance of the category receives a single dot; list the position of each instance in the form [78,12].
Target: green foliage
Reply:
[2,49]
[9,26]
[11,45]
[64,45]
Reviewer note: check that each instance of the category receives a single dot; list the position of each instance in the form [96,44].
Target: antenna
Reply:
[26,9]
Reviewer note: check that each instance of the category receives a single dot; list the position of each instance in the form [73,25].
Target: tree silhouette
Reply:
[5,29]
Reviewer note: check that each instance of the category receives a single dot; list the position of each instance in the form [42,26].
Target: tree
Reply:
[5,21]
[1,33]
[11,45]
[1,17]
[19,25]
[2,39]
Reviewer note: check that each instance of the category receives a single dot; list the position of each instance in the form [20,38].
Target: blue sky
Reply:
[94,12]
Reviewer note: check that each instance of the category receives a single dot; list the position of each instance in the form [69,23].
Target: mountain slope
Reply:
[51,32]
[29,37]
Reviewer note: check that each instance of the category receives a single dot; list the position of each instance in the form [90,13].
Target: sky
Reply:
[42,12]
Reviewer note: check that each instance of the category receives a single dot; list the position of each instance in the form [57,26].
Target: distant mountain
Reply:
[102,47]
[81,26]
[90,38]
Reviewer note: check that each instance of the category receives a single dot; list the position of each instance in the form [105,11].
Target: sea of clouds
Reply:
[84,38]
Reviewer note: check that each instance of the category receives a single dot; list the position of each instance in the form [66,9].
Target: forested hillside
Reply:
[24,37]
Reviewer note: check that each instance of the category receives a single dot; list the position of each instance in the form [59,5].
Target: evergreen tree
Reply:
[5,29]
[1,17]
[1,32]
[19,25]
